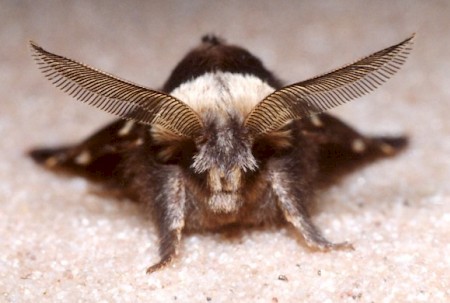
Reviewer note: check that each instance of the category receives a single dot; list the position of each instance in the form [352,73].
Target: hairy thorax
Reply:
[222,94]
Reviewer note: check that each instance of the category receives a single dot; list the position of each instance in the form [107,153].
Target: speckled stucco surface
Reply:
[61,242]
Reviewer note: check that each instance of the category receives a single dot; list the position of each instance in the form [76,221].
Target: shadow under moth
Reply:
[223,142]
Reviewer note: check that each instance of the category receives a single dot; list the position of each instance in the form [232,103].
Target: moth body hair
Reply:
[223,95]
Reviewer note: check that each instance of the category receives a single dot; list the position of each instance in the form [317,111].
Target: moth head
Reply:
[224,155]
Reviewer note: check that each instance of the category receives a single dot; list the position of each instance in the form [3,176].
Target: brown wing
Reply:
[100,156]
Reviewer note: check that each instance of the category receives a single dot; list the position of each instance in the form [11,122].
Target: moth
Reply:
[223,142]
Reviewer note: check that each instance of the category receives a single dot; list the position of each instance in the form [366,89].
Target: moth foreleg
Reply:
[170,206]
[295,212]
[169,244]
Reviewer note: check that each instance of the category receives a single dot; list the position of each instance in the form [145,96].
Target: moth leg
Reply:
[296,214]
[169,244]
[170,210]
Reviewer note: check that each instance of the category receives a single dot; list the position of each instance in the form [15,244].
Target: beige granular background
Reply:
[61,242]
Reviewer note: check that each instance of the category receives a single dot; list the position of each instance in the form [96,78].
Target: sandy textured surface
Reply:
[60,242]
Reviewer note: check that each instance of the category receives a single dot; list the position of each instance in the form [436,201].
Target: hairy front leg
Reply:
[170,205]
[295,212]
[168,249]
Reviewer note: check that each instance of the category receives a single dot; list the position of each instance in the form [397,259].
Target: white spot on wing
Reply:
[51,162]
[125,130]
[387,149]
[358,146]
[83,158]
[138,142]
[315,120]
